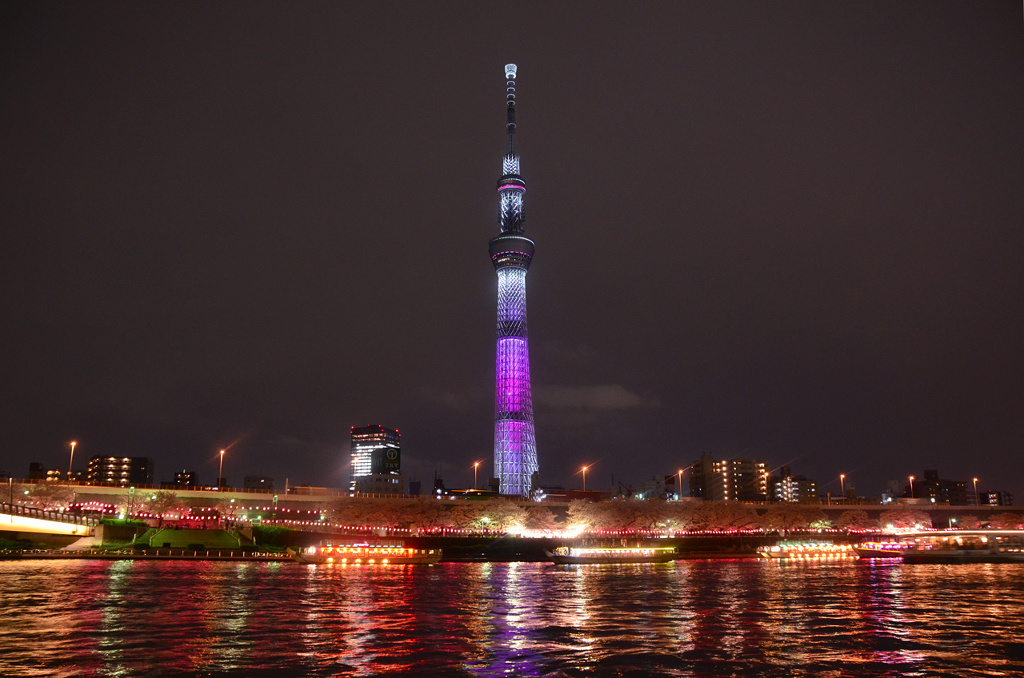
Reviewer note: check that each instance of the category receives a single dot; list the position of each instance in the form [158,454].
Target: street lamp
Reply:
[584,469]
[976,502]
[679,492]
[842,485]
[911,487]
[72,459]
[476,465]
[220,472]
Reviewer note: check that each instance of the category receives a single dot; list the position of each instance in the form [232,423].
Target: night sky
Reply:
[786,231]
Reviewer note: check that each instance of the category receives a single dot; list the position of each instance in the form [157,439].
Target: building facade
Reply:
[796,489]
[376,460]
[120,471]
[185,478]
[996,498]
[258,483]
[728,479]
[939,490]
[515,444]
[182,479]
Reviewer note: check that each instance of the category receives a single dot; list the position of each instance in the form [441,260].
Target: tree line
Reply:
[505,515]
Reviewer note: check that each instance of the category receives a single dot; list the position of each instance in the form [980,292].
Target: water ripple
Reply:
[691,618]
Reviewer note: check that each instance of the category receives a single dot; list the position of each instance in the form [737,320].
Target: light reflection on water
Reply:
[689,618]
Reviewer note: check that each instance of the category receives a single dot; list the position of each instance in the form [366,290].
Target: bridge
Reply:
[16,518]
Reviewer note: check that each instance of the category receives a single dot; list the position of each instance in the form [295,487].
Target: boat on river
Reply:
[584,555]
[806,550]
[880,549]
[964,546]
[366,554]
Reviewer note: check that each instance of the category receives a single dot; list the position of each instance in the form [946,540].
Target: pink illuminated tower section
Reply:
[515,446]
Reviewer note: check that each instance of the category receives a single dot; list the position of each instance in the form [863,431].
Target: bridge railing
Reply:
[40,514]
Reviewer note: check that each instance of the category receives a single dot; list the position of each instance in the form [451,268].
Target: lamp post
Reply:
[72,459]
[220,471]
[476,465]
[584,469]
[842,485]
[679,493]
[911,487]
[976,502]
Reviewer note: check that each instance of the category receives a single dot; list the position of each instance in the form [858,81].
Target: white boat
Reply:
[964,546]
[584,555]
[366,554]
[806,550]
[880,549]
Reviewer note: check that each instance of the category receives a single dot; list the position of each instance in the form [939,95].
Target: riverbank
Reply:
[133,554]
[455,549]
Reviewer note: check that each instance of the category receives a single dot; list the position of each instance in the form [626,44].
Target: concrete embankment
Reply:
[195,544]
[155,554]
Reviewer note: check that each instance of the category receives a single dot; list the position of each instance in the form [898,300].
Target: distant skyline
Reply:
[790,232]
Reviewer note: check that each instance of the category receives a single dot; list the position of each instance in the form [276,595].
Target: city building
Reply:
[56,475]
[123,471]
[892,492]
[376,460]
[650,489]
[996,498]
[674,486]
[439,489]
[182,479]
[515,444]
[258,483]
[728,479]
[938,490]
[790,488]
[186,478]
[37,471]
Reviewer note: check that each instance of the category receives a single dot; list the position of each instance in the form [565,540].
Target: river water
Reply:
[688,618]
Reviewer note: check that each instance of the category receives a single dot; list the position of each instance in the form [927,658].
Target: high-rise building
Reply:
[728,479]
[123,471]
[376,460]
[787,487]
[515,444]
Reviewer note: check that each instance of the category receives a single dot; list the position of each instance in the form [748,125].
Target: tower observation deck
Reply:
[515,445]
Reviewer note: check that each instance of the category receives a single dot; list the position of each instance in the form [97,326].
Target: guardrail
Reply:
[41,514]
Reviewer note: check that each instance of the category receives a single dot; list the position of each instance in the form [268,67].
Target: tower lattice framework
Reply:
[515,444]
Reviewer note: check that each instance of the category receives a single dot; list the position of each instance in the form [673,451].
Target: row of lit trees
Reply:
[710,515]
[504,515]
[54,497]
[629,515]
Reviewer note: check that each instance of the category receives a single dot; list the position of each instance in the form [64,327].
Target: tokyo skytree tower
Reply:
[515,446]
